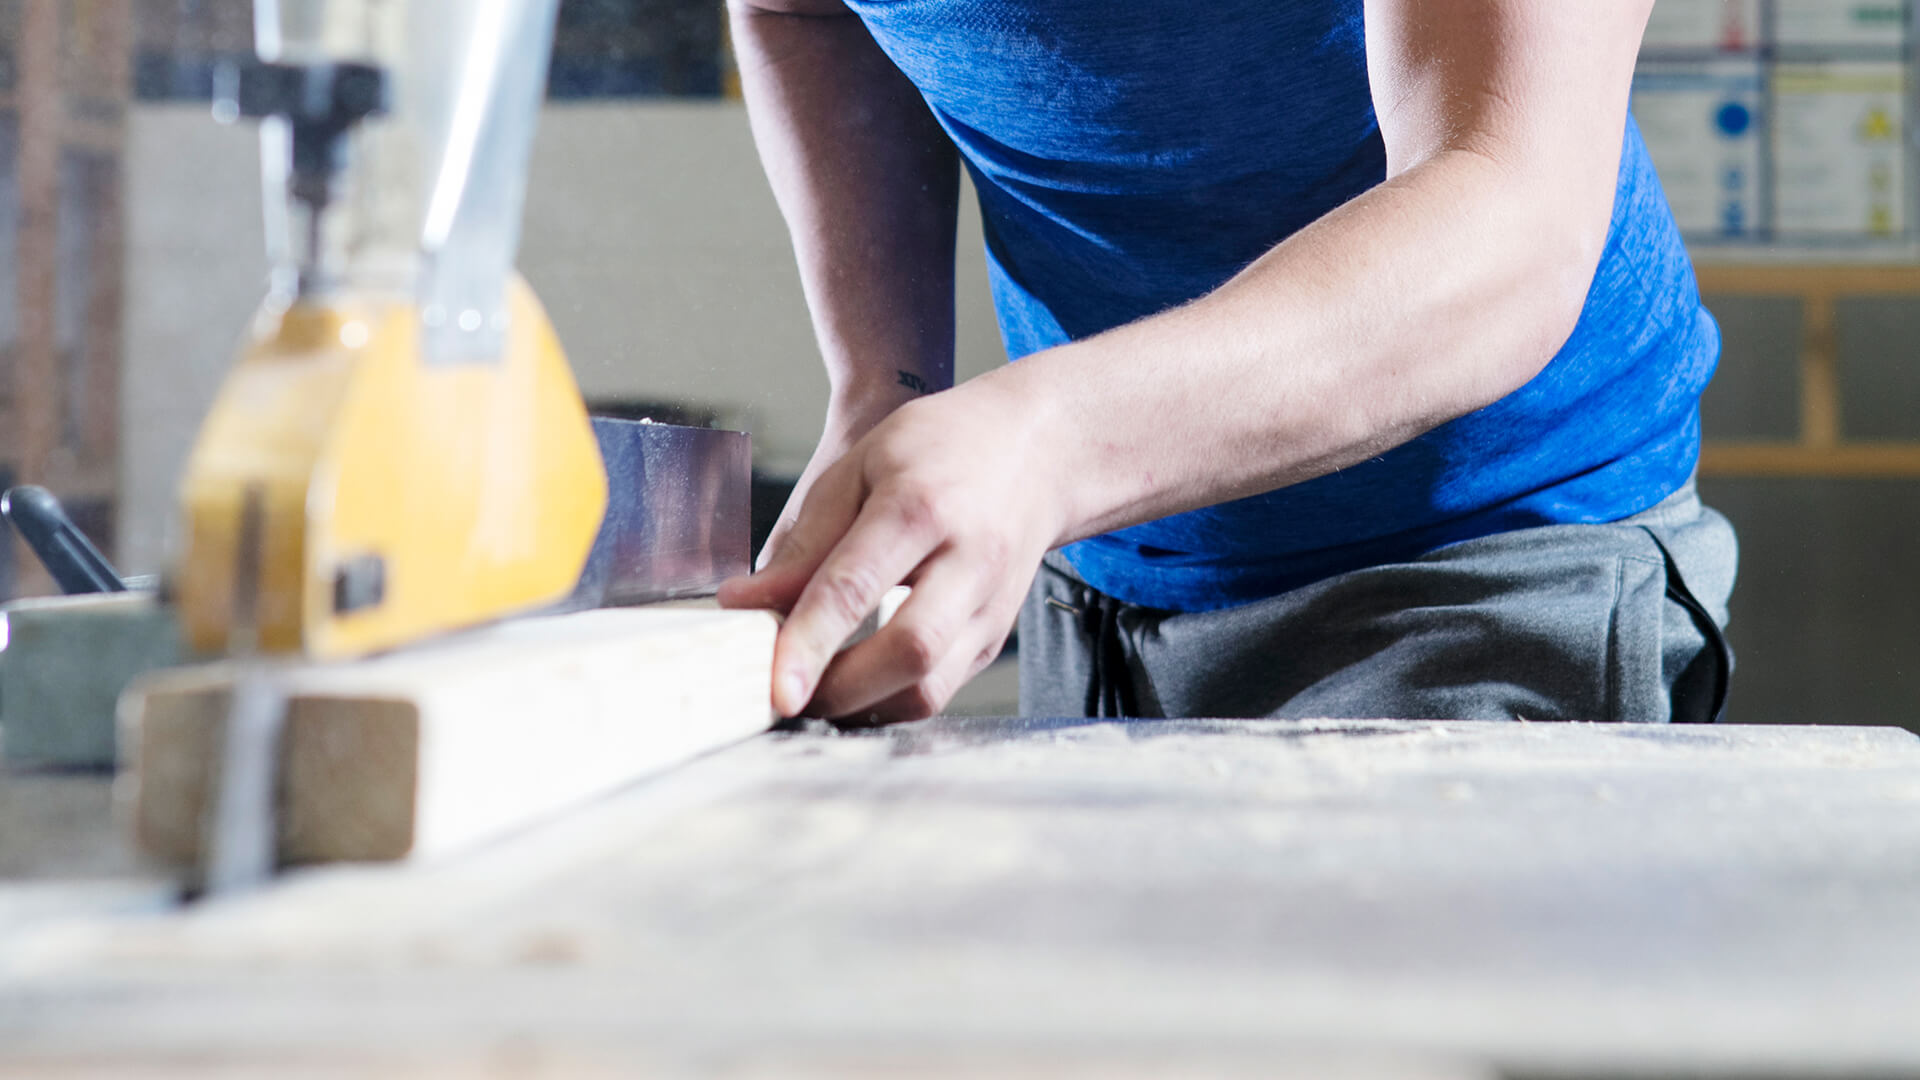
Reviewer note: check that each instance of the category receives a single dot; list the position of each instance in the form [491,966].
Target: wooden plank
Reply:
[1866,460]
[91,135]
[1819,373]
[435,748]
[1790,280]
[36,383]
[99,405]
[1822,449]
[34,414]
[97,120]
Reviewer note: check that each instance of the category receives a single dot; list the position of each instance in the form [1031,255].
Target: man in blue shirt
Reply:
[1358,361]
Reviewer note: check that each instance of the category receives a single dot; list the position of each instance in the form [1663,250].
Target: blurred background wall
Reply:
[653,239]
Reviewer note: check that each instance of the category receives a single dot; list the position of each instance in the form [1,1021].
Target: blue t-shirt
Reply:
[1131,157]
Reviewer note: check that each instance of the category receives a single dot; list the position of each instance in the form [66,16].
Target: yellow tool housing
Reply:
[474,490]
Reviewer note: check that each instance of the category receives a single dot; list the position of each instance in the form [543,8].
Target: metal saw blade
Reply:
[678,519]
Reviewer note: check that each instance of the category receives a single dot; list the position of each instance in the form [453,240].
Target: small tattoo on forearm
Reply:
[915,383]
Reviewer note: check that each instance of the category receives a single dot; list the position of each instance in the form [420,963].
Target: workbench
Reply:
[1033,898]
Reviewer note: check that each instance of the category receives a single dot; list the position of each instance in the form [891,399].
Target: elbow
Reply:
[1568,284]
[1554,287]
[1554,227]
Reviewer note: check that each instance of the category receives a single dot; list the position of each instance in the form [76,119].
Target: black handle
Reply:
[76,565]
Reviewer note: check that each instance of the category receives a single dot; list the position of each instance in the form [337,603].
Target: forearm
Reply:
[869,186]
[1430,296]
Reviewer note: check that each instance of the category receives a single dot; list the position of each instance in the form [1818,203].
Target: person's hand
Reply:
[952,495]
[849,417]
[835,441]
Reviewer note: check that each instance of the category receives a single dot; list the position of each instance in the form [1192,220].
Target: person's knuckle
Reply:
[849,591]
[911,706]
[788,543]
[921,510]
[993,550]
[825,702]
[921,647]
[988,655]
[922,701]
[889,457]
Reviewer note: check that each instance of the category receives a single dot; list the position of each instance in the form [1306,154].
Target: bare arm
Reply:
[1434,294]
[869,186]
[1437,293]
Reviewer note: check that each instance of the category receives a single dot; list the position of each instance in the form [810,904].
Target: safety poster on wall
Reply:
[1783,123]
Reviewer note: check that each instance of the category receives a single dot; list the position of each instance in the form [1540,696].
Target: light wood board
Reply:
[439,747]
[1037,898]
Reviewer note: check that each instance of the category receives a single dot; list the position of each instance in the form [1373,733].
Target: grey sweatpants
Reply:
[1566,622]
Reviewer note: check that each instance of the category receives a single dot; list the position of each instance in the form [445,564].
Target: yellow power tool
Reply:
[401,449]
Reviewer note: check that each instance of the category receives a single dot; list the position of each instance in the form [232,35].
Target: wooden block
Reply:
[437,747]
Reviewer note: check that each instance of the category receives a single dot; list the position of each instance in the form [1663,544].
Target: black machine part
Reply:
[322,103]
[76,565]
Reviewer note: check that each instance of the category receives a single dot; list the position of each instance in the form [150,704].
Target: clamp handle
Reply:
[75,564]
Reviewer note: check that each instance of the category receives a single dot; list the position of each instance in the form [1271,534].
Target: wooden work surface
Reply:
[1022,898]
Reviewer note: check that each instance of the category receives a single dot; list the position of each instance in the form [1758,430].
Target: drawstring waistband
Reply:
[1678,592]
[1109,681]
